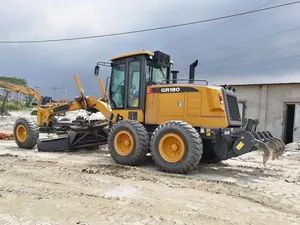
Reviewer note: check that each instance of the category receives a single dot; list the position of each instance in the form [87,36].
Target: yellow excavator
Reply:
[149,110]
[43,101]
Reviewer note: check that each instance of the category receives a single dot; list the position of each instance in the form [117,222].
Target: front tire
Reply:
[128,142]
[26,133]
[176,147]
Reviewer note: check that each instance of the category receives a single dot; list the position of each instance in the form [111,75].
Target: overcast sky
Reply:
[249,58]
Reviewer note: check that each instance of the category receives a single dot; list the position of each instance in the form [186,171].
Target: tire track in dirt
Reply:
[47,180]
[218,187]
[8,216]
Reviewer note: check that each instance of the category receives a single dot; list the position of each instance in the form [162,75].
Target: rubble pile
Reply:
[5,136]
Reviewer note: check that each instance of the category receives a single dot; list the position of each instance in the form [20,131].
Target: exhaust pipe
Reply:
[192,72]
[174,76]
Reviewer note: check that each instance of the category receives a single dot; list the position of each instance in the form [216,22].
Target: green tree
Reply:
[15,80]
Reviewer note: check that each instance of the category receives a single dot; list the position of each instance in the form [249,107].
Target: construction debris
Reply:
[4,136]
[4,112]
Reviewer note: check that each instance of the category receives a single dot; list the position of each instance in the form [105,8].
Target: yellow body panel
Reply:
[143,52]
[44,114]
[78,85]
[124,114]
[151,108]
[101,106]
[169,106]
[201,108]
[102,89]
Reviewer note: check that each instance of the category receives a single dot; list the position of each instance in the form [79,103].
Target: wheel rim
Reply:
[123,143]
[21,133]
[171,147]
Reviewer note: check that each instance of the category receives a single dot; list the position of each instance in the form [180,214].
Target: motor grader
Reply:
[147,109]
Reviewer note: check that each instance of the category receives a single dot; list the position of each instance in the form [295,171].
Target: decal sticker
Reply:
[239,146]
[171,89]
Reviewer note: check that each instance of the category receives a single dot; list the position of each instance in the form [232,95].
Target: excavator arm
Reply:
[21,89]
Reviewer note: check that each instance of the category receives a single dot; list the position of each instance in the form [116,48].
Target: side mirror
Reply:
[96,71]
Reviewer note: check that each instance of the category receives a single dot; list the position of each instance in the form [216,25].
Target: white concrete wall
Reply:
[266,103]
[252,96]
[277,96]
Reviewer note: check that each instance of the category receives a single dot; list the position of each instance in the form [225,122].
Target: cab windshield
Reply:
[158,75]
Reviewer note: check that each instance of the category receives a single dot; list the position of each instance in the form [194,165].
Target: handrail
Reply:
[185,80]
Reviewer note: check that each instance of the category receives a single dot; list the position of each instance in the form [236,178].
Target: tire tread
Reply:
[194,141]
[142,143]
[32,133]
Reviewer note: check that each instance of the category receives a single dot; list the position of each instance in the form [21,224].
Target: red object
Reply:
[221,98]
[4,136]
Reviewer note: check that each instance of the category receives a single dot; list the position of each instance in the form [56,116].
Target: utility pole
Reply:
[66,92]
[54,91]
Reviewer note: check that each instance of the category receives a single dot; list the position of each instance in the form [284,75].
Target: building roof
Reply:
[258,84]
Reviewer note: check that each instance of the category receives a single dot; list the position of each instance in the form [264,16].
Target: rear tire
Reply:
[176,147]
[26,133]
[128,142]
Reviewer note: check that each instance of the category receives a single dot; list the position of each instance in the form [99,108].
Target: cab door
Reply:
[127,89]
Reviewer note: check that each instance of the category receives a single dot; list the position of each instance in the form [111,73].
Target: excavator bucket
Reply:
[264,140]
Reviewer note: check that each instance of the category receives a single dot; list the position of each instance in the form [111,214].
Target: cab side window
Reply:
[117,86]
[134,71]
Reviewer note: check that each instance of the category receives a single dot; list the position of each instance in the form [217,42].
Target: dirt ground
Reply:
[87,187]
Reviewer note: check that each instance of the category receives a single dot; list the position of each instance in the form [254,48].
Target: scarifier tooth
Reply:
[266,157]
[272,144]
[265,149]
[269,144]
[281,148]
[270,148]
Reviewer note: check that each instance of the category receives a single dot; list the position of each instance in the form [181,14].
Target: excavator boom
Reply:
[21,89]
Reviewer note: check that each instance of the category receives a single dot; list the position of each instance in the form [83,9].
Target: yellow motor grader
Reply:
[149,110]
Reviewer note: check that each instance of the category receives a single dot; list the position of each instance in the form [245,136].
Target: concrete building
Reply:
[276,105]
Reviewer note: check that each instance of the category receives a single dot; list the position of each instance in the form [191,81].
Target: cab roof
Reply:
[143,52]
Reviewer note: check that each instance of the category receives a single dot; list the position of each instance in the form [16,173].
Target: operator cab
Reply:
[45,100]
[132,73]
